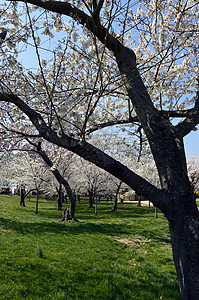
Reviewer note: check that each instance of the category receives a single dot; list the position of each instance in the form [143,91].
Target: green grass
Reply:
[41,258]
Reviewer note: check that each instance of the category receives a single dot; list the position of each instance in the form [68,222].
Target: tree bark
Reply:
[66,217]
[184,230]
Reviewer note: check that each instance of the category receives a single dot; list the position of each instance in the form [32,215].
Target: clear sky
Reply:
[192,144]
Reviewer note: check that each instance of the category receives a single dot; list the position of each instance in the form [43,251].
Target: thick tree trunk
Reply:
[69,213]
[184,230]
[72,198]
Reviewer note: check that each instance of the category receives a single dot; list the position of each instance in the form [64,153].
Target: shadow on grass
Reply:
[84,214]
[50,227]
[78,229]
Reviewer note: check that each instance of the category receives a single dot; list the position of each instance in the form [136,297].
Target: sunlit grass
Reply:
[123,255]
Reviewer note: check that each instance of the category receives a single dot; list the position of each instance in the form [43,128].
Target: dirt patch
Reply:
[137,241]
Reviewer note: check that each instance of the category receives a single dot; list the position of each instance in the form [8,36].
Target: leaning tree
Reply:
[58,162]
[102,63]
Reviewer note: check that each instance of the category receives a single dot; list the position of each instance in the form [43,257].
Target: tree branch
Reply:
[67,9]
[157,130]
[112,123]
[184,128]
[134,119]
[90,153]
[97,7]
[19,133]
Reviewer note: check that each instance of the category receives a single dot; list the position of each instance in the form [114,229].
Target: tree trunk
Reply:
[72,198]
[37,202]
[60,197]
[61,181]
[22,198]
[139,201]
[156,212]
[23,195]
[184,230]
[114,208]
[22,201]
[91,198]
[66,216]
[96,205]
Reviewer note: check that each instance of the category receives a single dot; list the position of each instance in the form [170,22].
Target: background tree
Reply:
[30,174]
[91,180]
[142,64]
[66,159]
[193,171]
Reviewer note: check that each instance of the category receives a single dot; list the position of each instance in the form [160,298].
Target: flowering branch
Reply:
[90,153]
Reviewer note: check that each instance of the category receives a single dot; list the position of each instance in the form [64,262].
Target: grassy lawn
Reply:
[123,255]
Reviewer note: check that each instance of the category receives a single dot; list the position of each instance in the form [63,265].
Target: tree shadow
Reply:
[53,227]
[109,229]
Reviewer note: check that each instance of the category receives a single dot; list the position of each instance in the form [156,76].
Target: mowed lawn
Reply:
[123,255]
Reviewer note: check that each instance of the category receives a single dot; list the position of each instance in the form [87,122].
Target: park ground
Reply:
[123,255]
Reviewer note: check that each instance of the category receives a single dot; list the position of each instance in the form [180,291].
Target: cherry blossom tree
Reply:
[29,173]
[58,162]
[47,158]
[193,172]
[146,168]
[87,178]
[130,64]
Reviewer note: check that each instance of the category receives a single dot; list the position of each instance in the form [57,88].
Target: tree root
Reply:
[66,217]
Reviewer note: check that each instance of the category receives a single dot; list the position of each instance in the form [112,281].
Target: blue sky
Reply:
[191,143]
